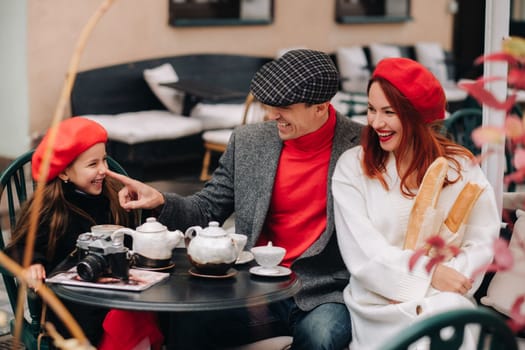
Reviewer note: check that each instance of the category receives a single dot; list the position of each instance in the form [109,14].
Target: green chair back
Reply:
[16,186]
[460,125]
[493,331]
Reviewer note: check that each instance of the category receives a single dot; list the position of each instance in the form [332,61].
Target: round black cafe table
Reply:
[185,292]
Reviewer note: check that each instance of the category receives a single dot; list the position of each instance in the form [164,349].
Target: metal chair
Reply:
[17,184]
[460,124]
[459,127]
[493,331]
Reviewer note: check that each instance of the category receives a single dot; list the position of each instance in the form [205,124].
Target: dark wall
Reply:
[468,37]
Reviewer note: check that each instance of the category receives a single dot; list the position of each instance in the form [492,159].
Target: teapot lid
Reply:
[214,230]
[151,225]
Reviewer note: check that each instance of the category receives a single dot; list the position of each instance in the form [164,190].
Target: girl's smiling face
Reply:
[383,119]
[88,170]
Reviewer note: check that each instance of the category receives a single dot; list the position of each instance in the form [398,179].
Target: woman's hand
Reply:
[135,194]
[446,279]
[35,274]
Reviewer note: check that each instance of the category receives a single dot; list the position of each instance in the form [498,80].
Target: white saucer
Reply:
[278,272]
[244,257]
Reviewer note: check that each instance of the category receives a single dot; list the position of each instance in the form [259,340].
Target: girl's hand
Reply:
[36,273]
[446,279]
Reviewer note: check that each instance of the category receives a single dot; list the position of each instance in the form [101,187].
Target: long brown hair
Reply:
[56,208]
[424,141]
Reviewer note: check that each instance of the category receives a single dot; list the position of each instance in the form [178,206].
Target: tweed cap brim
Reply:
[299,76]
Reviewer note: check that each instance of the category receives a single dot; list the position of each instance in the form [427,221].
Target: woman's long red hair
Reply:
[424,141]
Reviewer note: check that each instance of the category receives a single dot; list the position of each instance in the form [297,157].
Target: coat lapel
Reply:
[346,135]
[267,168]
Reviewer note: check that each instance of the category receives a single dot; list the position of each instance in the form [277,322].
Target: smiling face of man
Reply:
[298,119]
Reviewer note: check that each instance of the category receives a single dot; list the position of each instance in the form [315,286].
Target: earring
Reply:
[65,181]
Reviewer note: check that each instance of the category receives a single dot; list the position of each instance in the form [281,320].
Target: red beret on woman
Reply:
[417,84]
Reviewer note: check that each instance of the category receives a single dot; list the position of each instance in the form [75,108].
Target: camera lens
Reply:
[91,267]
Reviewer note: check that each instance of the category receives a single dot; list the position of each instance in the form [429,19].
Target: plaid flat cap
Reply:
[299,76]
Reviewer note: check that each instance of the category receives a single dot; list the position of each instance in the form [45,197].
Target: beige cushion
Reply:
[432,56]
[506,286]
[171,98]
[218,116]
[380,51]
[353,68]
[221,136]
[144,126]
[226,115]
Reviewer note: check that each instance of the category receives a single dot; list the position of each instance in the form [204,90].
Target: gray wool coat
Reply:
[243,184]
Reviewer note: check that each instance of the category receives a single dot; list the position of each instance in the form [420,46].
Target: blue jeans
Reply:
[325,327]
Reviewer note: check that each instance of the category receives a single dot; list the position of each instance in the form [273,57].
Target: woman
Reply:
[374,187]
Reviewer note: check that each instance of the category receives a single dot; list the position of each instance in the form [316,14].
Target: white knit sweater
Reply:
[371,224]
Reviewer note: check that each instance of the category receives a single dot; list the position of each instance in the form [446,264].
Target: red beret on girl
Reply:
[74,136]
[417,84]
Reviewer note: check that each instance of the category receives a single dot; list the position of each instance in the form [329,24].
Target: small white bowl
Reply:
[268,256]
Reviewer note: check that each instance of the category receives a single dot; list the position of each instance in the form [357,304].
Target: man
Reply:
[276,177]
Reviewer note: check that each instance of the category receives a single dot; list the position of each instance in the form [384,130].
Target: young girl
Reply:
[77,196]
[374,187]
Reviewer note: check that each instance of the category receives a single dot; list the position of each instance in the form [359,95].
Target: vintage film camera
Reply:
[102,255]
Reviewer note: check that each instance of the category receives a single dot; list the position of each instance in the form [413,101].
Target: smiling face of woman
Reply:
[383,119]
[88,171]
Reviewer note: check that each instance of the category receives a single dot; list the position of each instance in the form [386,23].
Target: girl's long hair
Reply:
[423,140]
[56,209]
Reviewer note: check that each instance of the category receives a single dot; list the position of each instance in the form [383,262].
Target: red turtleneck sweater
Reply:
[297,214]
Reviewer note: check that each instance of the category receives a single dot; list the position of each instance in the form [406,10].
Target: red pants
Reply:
[125,329]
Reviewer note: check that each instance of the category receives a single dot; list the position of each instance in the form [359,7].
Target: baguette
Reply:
[461,208]
[427,197]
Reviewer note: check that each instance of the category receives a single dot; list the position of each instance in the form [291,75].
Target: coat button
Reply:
[419,310]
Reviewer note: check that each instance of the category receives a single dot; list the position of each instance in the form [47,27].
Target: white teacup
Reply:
[268,256]
[240,242]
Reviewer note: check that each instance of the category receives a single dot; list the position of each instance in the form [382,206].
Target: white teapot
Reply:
[211,250]
[152,240]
